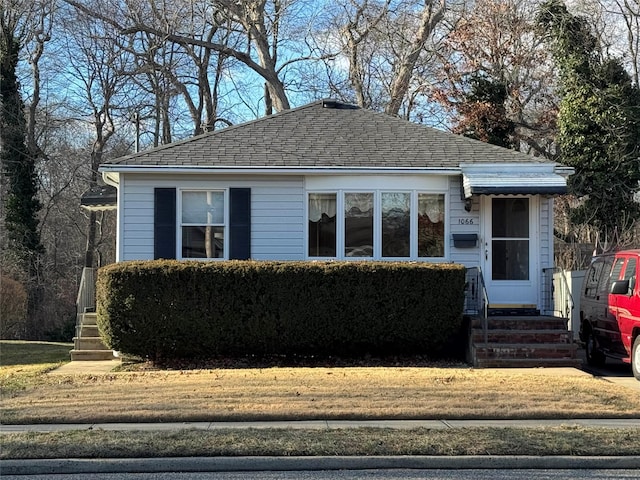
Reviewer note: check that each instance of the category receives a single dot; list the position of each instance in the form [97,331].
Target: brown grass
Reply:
[361,441]
[314,393]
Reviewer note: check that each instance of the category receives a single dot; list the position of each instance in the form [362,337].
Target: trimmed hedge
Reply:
[171,309]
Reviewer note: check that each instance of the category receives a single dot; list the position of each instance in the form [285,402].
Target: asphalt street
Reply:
[396,474]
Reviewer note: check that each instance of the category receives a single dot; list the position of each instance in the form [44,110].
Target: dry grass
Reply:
[363,441]
[314,393]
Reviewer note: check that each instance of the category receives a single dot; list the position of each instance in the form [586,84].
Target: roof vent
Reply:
[335,104]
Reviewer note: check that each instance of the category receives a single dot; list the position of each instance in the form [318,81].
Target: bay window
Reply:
[358,224]
[322,224]
[376,224]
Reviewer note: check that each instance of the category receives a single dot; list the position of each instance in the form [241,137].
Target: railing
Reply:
[556,293]
[476,300]
[86,300]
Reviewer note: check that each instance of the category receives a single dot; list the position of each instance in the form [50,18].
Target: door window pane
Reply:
[396,224]
[430,225]
[510,218]
[510,259]
[358,224]
[322,224]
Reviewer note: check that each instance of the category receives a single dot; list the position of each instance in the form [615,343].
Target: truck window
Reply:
[630,274]
[604,286]
[592,277]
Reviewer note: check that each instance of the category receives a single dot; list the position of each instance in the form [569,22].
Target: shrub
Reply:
[170,309]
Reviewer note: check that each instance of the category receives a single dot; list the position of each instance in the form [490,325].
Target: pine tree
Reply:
[598,123]
[18,166]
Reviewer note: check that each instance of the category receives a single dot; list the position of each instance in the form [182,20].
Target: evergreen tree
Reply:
[598,123]
[18,166]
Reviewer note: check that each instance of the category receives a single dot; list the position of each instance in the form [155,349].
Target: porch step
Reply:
[88,331]
[522,323]
[521,341]
[528,363]
[530,336]
[87,344]
[90,318]
[87,355]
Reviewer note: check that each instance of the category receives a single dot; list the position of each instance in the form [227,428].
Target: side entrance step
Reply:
[521,341]
[87,344]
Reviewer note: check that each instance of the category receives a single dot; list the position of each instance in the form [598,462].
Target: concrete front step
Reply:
[88,343]
[89,331]
[90,318]
[80,355]
[521,336]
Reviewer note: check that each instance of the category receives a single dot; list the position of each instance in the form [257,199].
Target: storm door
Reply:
[511,251]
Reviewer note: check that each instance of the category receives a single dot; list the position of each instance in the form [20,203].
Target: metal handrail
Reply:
[476,296]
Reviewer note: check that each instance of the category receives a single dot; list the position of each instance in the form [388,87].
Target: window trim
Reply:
[180,224]
[377,224]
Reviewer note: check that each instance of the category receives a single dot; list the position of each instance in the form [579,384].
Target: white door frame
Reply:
[512,293]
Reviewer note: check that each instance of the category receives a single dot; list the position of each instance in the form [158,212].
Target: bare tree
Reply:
[383,47]
[496,42]
[258,20]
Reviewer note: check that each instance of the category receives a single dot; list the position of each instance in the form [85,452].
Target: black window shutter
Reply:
[239,223]
[164,223]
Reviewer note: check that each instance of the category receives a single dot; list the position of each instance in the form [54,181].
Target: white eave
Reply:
[111,172]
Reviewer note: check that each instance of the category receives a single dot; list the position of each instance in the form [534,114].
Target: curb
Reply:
[253,464]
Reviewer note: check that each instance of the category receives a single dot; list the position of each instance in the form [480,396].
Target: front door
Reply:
[511,251]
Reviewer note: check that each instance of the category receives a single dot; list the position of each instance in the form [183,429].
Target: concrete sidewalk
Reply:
[328,425]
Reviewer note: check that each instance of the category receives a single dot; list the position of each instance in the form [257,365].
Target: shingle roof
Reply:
[326,134]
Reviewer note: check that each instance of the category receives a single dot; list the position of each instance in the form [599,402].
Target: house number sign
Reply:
[465,221]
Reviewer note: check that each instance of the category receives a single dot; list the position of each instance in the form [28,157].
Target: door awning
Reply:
[543,179]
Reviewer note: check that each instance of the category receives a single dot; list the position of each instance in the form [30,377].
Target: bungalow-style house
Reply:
[331,181]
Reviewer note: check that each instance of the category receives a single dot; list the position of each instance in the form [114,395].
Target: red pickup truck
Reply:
[610,309]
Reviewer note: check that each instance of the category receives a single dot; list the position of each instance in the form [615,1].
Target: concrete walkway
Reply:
[86,367]
[327,425]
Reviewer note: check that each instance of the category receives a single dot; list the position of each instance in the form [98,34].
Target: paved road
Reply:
[361,475]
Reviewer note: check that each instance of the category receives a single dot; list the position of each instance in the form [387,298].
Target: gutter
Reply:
[109,170]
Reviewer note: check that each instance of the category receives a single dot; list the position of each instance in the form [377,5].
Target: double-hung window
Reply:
[203,223]
[376,224]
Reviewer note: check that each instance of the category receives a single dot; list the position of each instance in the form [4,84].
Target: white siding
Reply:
[546,232]
[276,210]
[278,215]
[462,221]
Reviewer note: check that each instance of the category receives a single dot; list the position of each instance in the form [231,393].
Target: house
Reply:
[331,181]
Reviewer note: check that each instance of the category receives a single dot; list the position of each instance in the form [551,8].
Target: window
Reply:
[358,224]
[396,224]
[322,225]
[430,225]
[376,224]
[203,224]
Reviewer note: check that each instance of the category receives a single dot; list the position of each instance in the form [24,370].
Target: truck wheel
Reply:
[635,358]
[595,357]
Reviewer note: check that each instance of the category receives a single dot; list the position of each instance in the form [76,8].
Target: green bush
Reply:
[172,309]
